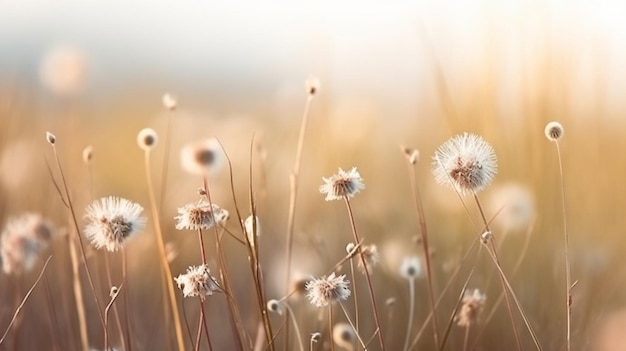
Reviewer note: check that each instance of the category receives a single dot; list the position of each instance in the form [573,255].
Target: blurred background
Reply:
[408,73]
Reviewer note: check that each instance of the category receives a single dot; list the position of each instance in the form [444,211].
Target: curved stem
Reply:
[165,265]
[411,313]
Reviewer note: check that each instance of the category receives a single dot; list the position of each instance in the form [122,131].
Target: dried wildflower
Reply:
[344,336]
[169,102]
[114,291]
[411,267]
[369,252]
[471,307]
[201,158]
[554,131]
[312,85]
[88,154]
[147,139]
[276,306]
[252,226]
[22,240]
[326,290]
[197,282]
[466,162]
[200,215]
[342,185]
[486,237]
[51,138]
[112,220]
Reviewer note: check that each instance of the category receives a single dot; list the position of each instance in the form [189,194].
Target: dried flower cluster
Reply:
[342,185]
[328,290]
[111,220]
[197,282]
[22,240]
[471,307]
[466,162]
[200,215]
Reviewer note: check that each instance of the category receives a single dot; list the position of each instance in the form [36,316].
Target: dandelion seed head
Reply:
[471,308]
[169,102]
[342,185]
[466,162]
[197,282]
[200,215]
[147,139]
[201,158]
[344,336]
[111,221]
[327,290]
[554,131]
[411,267]
[22,240]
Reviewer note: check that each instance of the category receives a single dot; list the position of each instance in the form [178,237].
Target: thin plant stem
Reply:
[367,276]
[568,276]
[184,311]
[502,278]
[78,295]
[21,305]
[67,199]
[198,336]
[355,296]
[205,325]
[114,296]
[330,327]
[358,336]
[127,303]
[54,325]
[424,231]
[456,306]
[466,337]
[116,314]
[165,265]
[224,276]
[411,313]
[292,316]
[510,289]
[293,195]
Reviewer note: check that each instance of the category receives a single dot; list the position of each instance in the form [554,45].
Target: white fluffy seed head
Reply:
[51,138]
[554,131]
[169,102]
[202,158]
[411,267]
[88,155]
[275,306]
[344,336]
[342,185]
[147,139]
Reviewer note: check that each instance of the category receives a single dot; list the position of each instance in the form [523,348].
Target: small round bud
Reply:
[275,306]
[88,154]
[201,192]
[169,102]
[51,138]
[554,131]
[147,139]
[411,267]
[114,291]
[312,85]
[350,249]
[486,237]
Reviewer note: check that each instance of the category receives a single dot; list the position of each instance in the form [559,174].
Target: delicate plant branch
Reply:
[367,276]
[424,231]
[21,305]
[411,313]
